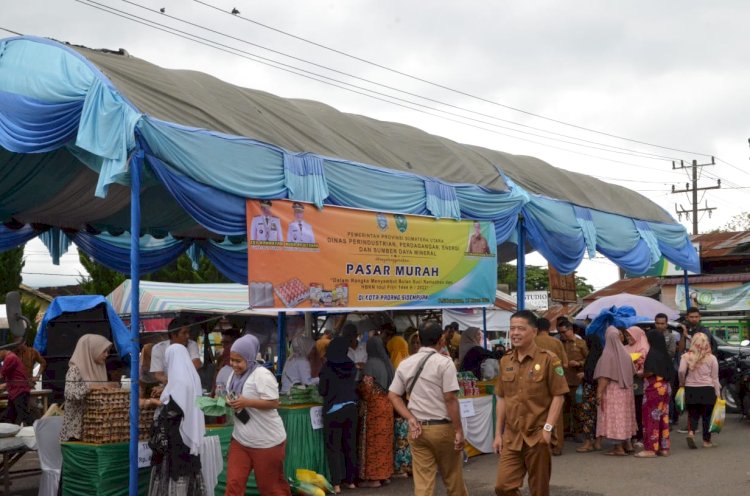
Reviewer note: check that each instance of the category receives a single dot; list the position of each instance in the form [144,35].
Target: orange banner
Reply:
[304,258]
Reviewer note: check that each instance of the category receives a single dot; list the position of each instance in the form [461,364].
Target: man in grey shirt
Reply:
[660,322]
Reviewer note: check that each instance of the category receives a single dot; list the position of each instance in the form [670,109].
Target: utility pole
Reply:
[693,188]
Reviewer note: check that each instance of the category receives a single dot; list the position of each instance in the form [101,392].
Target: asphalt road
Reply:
[720,471]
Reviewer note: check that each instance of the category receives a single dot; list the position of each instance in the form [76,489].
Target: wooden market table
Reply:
[39,394]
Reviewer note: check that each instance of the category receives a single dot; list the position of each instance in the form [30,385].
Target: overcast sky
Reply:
[669,73]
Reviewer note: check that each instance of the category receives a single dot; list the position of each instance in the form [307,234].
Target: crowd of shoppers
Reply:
[390,404]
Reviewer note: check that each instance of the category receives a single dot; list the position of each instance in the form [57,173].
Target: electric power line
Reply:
[626,151]
[315,77]
[438,85]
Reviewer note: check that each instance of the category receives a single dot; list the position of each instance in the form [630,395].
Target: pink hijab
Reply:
[640,346]
[615,363]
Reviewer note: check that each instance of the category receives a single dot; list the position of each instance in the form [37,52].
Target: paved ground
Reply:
[720,471]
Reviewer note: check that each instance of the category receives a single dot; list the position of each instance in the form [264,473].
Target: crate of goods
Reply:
[106,417]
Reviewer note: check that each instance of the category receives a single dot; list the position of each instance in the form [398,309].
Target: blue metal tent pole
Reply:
[281,329]
[687,289]
[484,325]
[521,265]
[135,229]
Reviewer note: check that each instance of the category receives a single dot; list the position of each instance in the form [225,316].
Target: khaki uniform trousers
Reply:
[536,460]
[433,451]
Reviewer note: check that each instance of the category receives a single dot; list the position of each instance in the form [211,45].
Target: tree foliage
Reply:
[11,265]
[103,281]
[537,279]
[738,222]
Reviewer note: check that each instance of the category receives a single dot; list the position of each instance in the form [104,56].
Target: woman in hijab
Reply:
[395,344]
[258,439]
[87,370]
[637,343]
[412,338]
[179,429]
[699,375]
[376,417]
[588,403]
[614,374]
[297,370]
[472,353]
[658,373]
[337,387]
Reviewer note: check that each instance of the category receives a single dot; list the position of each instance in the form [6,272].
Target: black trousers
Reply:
[340,430]
[696,413]
[19,410]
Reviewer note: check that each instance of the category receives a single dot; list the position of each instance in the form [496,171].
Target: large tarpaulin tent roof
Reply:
[73,120]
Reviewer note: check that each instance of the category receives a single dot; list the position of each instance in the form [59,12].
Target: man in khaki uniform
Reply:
[547,342]
[435,433]
[576,351]
[529,392]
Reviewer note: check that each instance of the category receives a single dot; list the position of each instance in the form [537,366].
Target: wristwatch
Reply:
[548,427]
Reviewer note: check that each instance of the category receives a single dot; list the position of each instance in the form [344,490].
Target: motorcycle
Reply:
[735,382]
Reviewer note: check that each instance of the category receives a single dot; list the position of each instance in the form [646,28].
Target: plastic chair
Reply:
[47,431]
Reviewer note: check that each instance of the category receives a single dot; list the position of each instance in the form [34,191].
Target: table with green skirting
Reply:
[101,469]
[305,446]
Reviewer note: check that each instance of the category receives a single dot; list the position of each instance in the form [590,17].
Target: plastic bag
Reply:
[579,394]
[718,416]
[679,399]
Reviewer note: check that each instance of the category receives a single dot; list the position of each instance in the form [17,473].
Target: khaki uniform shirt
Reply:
[547,342]
[528,387]
[438,376]
[576,350]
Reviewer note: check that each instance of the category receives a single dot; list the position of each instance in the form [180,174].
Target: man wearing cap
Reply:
[179,333]
[436,436]
[529,393]
[299,230]
[265,227]
[576,351]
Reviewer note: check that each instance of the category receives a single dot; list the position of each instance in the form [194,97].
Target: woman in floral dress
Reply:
[87,370]
[658,373]
[376,424]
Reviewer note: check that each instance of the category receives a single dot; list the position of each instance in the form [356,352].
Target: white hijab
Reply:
[184,387]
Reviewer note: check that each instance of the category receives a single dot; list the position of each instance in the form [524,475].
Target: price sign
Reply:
[316,417]
[144,454]
[467,408]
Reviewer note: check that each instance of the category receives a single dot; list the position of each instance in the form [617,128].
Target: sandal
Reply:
[584,450]
[691,442]
[645,454]
[663,453]
[615,453]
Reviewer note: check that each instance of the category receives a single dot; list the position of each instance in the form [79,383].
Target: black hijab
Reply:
[337,358]
[594,343]
[657,360]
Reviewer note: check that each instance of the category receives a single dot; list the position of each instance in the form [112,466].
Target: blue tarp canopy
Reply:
[73,304]
[74,120]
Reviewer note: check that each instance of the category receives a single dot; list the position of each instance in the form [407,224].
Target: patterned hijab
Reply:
[700,348]
[247,347]
[89,347]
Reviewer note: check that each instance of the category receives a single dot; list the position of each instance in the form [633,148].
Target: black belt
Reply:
[434,422]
